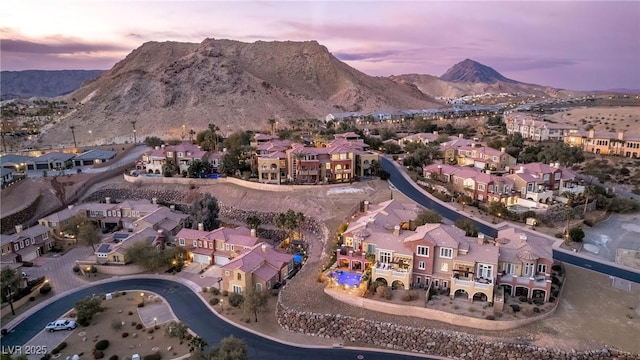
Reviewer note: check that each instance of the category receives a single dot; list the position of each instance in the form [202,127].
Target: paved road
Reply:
[407,187]
[198,316]
[59,269]
[619,231]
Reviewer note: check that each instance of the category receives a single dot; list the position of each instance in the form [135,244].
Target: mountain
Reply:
[42,83]
[469,77]
[474,72]
[234,85]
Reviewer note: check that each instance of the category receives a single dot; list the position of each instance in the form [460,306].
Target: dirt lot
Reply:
[610,119]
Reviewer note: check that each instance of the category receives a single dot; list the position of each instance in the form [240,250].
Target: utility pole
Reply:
[10,299]
[73,132]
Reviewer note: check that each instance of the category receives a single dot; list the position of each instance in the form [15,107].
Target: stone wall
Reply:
[23,216]
[424,340]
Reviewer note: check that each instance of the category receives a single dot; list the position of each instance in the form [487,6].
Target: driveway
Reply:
[59,269]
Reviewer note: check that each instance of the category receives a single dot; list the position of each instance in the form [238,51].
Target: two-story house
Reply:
[218,246]
[484,157]
[259,267]
[27,244]
[525,262]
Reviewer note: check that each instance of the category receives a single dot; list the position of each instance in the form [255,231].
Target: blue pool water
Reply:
[346,278]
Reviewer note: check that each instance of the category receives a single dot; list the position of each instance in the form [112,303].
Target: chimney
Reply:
[18,229]
[460,136]
[172,207]
[201,226]
[264,248]
[69,206]
[157,148]
[620,135]
[480,239]
[435,132]
[592,133]
[521,170]
[253,233]
[107,200]
[503,149]
[366,205]
[154,201]
[396,230]
[439,169]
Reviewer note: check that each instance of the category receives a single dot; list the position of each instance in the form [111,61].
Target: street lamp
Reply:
[142,297]
[133,123]
[221,305]
[10,299]
[155,321]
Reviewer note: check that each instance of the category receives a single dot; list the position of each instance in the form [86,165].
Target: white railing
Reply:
[481,285]
[382,272]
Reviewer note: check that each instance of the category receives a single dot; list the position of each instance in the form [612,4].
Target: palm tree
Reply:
[213,129]
[191,133]
[272,122]
[589,192]
[73,133]
[133,123]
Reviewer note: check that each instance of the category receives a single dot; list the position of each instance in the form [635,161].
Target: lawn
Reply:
[121,324]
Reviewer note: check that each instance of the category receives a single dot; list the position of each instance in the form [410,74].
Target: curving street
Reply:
[404,185]
[190,309]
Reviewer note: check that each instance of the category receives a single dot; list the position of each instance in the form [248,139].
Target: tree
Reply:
[197,344]
[205,211]
[86,308]
[468,226]
[145,255]
[427,216]
[213,133]
[198,167]
[589,192]
[253,221]
[576,234]
[73,226]
[73,132]
[170,168]
[272,123]
[152,141]
[88,234]
[177,329]
[231,162]
[254,302]
[391,148]
[10,282]
[289,221]
[230,348]
[498,208]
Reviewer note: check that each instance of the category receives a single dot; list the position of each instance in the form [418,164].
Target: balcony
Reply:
[392,273]
[538,280]
[540,195]
[471,283]
[574,189]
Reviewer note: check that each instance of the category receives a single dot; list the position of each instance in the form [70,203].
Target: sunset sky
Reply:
[581,45]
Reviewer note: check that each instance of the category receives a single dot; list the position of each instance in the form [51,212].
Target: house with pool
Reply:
[382,241]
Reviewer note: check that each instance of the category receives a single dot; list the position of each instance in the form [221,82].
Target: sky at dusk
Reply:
[580,45]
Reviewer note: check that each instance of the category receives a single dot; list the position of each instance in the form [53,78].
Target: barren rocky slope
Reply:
[163,86]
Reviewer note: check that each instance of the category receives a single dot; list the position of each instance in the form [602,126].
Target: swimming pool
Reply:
[346,278]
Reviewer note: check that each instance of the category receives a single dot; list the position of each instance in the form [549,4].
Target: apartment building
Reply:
[218,246]
[606,143]
[183,155]
[534,127]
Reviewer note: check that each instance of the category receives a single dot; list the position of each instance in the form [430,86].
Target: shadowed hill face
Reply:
[236,85]
[472,71]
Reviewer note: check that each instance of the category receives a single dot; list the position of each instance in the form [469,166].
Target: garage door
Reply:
[202,259]
[221,260]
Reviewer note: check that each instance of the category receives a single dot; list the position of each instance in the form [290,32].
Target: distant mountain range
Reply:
[42,83]
[169,88]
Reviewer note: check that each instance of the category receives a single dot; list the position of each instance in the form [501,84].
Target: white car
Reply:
[61,325]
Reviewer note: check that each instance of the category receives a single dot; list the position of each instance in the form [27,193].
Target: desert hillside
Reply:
[42,83]
[235,85]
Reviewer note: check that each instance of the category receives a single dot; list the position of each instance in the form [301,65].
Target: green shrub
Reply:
[490,317]
[214,301]
[45,289]
[154,356]
[515,307]
[113,357]
[141,304]
[98,354]
[225,293]
[536,310]
[125,334]
[102,344]
[139,326]
[522,299]
[215,291]
[410,295]
[384,292]
[235,299]
[116,324]
[76,268]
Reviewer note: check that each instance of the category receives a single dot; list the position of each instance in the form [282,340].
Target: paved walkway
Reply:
[59,269]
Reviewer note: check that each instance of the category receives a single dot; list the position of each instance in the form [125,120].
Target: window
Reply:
[557,176]
[181,241]
[226,273]
[422,251]
[485,271]
[227,247]
[199,243]
[259,287]
[481,187]
[530,187]
[268,284]
[509,268]
[210,245]
[385,257]
[195,243]
[446,253]
[237,289]
[528,269]
[542,268]
[546,177]
[239,276]
[421,265]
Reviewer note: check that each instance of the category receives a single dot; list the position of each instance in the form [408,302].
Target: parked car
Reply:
[61,325]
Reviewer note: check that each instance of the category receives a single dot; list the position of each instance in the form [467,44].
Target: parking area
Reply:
[45,341]
[619,231]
